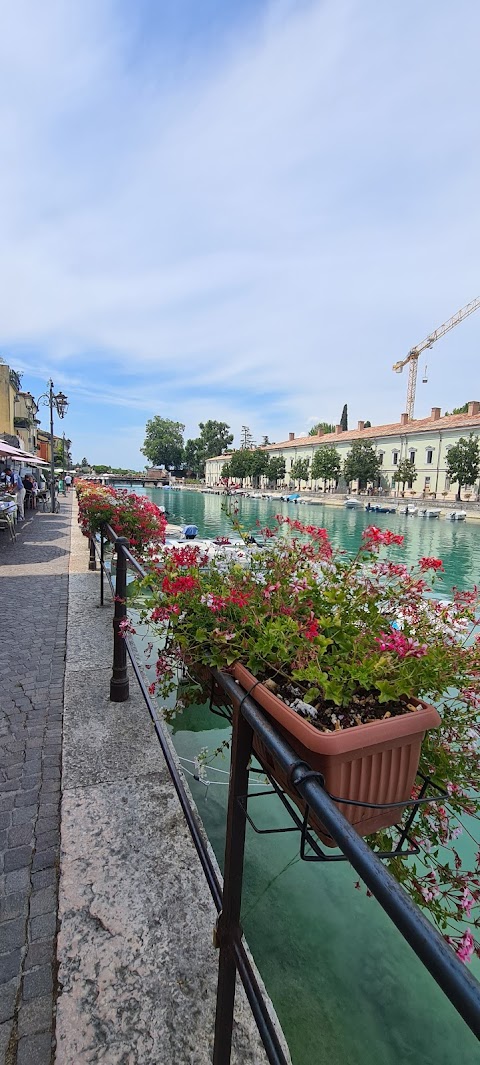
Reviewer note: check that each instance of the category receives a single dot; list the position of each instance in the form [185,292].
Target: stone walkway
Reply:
[131,976]
[34,597]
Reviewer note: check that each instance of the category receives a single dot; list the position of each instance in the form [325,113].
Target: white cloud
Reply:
[293,215]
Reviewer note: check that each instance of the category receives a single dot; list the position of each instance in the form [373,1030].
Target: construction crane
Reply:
[414,354]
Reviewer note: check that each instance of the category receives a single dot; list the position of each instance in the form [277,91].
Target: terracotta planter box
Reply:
[376,762]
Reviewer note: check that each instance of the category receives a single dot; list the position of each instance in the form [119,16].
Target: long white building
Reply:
[424,441]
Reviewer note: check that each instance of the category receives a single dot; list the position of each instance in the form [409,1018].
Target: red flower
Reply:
[311,629]
[179,585]
[430,563]
[374,537]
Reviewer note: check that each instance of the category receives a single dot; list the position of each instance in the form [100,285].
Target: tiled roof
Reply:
[418,425]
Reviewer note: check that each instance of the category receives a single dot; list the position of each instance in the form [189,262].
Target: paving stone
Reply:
[13,905]
[43,926]
[45,840]
[44,859]
[17,858]
[5,1035]
[8,995]
[35,1049]
[20,817]
[34,636]
[20,835]
[37,982]
[44,878]
[43,901]
[13,933]
[18,880]
[26,798]
[41,952]
[35,1016]
[10,965]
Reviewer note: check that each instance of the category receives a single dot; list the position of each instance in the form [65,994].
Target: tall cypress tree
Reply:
[344,419]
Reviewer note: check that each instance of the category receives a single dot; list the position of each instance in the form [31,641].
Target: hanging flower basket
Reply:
[374,762]
[343,645]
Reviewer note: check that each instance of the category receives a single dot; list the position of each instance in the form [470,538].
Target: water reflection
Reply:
[457,544]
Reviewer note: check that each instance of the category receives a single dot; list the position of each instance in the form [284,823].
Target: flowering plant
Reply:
[344,641]
[129,515]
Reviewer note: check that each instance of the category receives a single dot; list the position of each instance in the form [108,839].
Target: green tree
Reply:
[257,465]
[362,463]
[367,424]
[265,441]
[406,473]
[458,410]
[300,469]
[85,464]
[326,464]
[103,469]
[226,472]
[344,419]
[321,427]
[239,464]
[276,469]
[463,462]
[214,439]
[191,457]
[163,444]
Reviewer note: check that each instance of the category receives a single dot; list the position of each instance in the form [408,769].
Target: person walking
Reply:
[19,489]
[68,481]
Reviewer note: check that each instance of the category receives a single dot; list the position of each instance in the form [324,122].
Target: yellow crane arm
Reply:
[412,357]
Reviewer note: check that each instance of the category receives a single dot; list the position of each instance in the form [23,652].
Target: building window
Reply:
[395,458]
[429,456]
[412,456]
[380,458]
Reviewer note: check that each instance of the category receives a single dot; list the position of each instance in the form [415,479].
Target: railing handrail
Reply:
[451,975]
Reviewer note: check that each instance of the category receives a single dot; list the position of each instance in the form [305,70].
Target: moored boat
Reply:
[433,512]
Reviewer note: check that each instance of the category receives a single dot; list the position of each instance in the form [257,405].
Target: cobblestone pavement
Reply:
[33,596]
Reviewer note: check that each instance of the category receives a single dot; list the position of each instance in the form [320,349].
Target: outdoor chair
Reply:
[7,521]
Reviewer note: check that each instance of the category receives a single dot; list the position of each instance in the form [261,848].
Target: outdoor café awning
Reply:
[21,456]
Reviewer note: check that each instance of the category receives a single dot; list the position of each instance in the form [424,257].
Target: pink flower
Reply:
[403,646]
[466,947]
[466,902]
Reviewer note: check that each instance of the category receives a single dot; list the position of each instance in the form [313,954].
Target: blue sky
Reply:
[237,211]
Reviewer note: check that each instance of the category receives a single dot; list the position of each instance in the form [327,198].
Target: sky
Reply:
[241,211]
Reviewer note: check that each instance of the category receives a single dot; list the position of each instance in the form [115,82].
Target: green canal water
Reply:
[346,987]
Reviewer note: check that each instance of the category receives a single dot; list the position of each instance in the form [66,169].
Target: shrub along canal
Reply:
[347,989]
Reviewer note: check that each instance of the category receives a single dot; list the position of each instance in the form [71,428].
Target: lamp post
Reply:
[59,402]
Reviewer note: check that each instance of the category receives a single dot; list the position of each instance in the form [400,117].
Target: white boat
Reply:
[457,515]
[353,503]
[410,508]
[433,512]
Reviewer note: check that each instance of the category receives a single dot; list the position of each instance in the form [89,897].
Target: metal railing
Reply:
[457,983]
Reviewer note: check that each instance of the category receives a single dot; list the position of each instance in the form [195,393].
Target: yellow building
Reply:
[424,441]
[9,389]
[25,421]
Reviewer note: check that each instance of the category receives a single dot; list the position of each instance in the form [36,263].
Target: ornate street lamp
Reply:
[59,402]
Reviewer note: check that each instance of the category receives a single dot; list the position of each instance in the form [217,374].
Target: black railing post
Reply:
[102,560]
[119,690]
[92,562]
[228,925]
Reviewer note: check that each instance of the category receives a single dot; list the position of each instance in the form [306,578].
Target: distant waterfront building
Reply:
[425,441]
